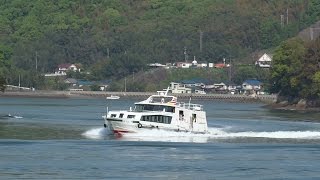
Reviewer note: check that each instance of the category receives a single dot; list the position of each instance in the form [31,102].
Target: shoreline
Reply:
[292,107]
[267,99]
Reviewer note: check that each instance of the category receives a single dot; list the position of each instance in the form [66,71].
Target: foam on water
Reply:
[276,135]
[96,133]
[17,117]
[266,134]
[214,133]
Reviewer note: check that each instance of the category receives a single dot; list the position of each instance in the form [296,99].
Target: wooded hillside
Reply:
[114,38]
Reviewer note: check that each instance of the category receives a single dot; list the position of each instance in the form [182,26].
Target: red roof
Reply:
[220,65]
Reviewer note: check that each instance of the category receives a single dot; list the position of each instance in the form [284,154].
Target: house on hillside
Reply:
[63,68]
[103,85]
[71,82]
[220,86]
[264,61]
[192,83]
[179,88]
[183,64]
[156,65]
[233,88]
[251,86]
[202,65]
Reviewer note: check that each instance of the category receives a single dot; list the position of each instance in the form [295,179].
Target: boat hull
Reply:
[119,126]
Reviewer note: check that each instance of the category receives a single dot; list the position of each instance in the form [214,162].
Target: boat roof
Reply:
[160,100]
[169,100]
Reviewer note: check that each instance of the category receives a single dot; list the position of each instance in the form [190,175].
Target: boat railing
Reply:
[190,106]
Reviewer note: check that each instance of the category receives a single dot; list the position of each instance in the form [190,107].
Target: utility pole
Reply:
[185,54]
[108,53]
[201,35]
[36,60]
[125,84]
[282,20]
[230,71]
[287,16]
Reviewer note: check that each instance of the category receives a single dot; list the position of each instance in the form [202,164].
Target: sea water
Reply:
[65,139]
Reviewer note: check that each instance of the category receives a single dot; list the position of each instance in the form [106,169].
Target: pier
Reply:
[141,95]
[217,97]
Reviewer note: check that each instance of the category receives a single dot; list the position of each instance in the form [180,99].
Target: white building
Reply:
[251,84]
[63,68]
[179,88]
[264,61]
[220,86]
[183,65]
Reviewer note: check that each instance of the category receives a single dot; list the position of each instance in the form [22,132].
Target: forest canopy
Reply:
[113,38]
[295,72]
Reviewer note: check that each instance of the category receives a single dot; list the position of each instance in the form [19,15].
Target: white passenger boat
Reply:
[113,97]
[159,111]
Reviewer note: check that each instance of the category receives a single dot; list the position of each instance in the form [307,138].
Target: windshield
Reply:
[149,107]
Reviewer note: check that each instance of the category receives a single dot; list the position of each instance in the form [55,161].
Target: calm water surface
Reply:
[65,139]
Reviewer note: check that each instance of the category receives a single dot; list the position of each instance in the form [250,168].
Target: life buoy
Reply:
[139,125]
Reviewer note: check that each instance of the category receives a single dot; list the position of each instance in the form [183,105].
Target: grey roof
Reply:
[71,81]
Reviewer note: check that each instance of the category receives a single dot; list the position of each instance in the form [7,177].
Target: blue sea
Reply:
[48,138]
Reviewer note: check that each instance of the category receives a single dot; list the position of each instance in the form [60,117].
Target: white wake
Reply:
[213,133]
[17,117]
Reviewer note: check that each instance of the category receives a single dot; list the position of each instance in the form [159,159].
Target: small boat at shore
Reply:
[9,116]
[5,116]
[113,97]
[159,111]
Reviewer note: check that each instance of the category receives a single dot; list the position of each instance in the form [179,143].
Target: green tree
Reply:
[243,73]
[310,71]
[2,83]
[286,67]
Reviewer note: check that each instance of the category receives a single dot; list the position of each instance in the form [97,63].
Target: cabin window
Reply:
[148,107]
[130,116]
[113,115]
[160,119]
[138,108]
[121,115]
[157,119]
[169,109]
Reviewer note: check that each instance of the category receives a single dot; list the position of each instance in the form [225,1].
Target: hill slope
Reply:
[115,38]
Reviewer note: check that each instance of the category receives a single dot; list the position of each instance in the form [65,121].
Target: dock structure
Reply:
[142,95]
[218,97]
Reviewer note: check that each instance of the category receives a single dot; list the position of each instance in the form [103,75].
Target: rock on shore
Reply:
[295,104]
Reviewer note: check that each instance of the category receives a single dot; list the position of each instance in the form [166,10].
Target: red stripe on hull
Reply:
[120,131]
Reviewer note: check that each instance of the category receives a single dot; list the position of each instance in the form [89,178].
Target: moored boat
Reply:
[113,97]
[159,111]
